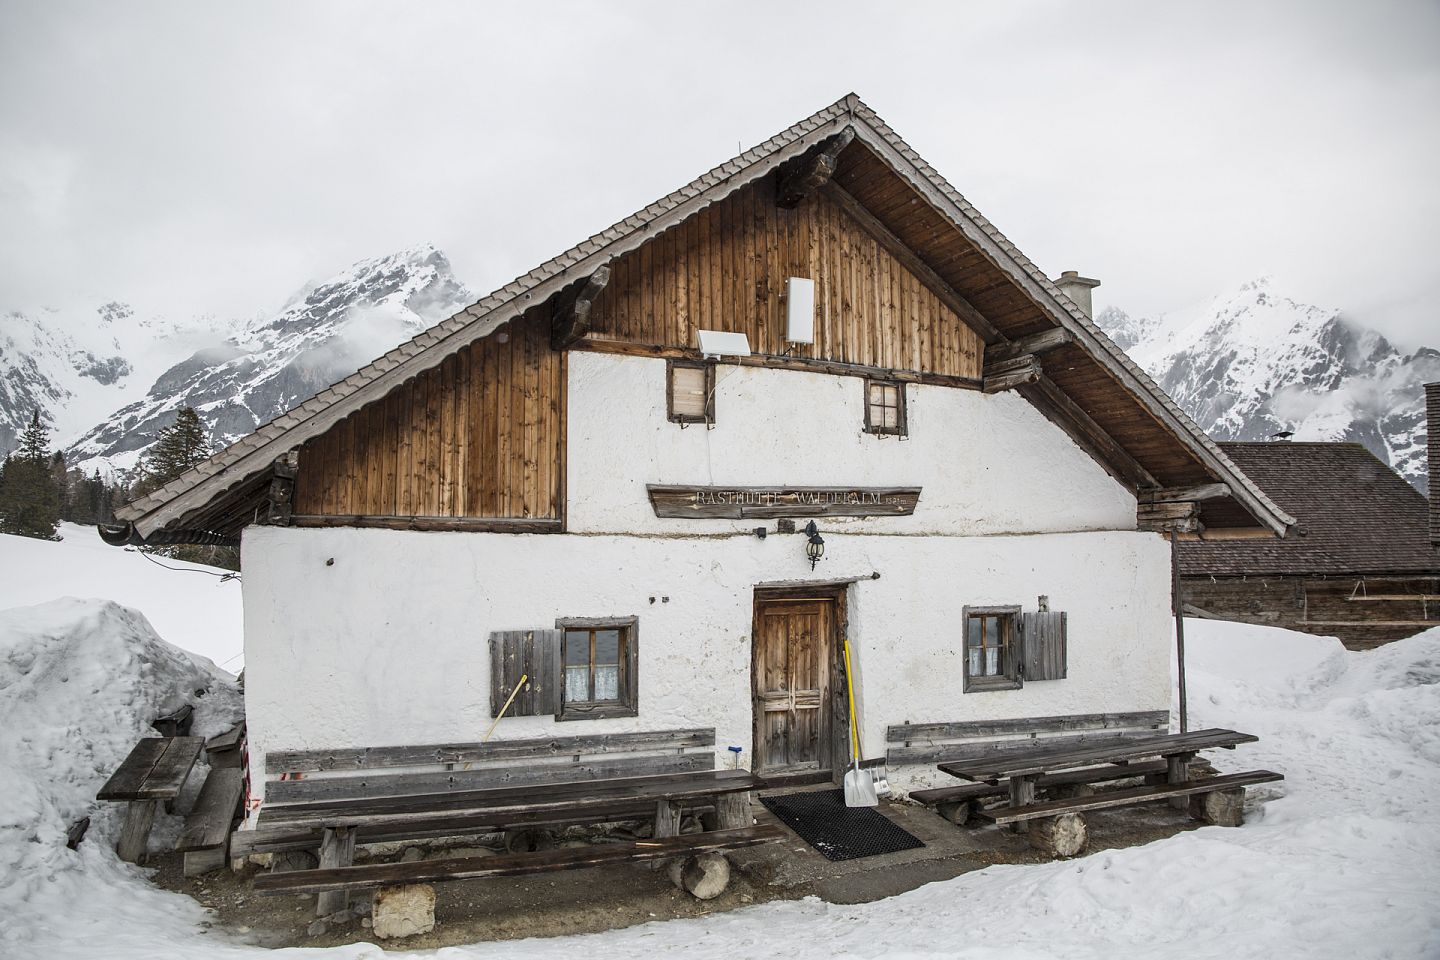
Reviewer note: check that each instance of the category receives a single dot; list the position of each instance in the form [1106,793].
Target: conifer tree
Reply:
[177,448]
[29,497]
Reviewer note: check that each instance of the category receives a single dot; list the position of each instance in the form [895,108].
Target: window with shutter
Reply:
[1043,640]
[992,648]
[691,392]
[531,655]
[885,407]
[598,668]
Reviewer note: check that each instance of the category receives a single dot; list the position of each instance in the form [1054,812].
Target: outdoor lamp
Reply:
[815,545]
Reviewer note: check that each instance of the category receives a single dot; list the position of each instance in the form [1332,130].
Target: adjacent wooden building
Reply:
[1359,564]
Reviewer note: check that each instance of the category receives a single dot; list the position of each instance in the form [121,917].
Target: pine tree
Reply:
[29,497]
[177,448]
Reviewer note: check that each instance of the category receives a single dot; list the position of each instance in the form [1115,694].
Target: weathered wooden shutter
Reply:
[533,654]
[1043,645]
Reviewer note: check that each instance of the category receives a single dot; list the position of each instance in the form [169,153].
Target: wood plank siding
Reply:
[725,269]
[480,436]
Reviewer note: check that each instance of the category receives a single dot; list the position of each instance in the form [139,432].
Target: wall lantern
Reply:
[814,545]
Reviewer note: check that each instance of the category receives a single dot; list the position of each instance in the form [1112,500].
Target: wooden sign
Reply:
[744,503]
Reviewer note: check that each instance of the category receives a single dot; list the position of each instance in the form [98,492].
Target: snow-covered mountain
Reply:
[326,332]
[77,366]
[1256,363]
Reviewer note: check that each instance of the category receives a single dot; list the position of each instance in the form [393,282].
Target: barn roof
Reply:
[1354,515]
[1091,378]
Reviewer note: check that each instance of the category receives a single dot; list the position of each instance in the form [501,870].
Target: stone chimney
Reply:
[1078,288]
[1432,427]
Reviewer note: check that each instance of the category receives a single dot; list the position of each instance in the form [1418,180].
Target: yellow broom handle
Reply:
[510,700]
[850,690]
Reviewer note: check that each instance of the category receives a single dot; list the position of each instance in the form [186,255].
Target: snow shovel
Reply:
[859,785]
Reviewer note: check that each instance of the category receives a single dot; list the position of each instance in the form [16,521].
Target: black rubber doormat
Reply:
[837,831]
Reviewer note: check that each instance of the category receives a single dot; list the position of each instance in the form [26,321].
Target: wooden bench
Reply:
[958,803]
[153,773]
[381,875]
[1128,797]
[341,824]
[205,841]
[1061,829]
[331,800]
[930,743]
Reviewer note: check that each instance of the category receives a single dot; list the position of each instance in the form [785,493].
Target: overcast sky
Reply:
[212,157]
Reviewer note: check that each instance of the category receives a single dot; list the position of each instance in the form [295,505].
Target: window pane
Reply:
[974,658]
[992,631]
[607,646]
[607,683]
[973,631]
[577,648]
[577,684]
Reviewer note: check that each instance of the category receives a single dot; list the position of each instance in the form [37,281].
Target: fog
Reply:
[212,158]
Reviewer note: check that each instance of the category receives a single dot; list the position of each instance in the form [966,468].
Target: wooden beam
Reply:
[1168,517]
[1012,373]
[571,319]
[1066,414]
[280,497]
[1035,343]
[1203,491]
[774,362]
[912,262]
[1231,533]
[470,524]
[1395,596]
[812,172]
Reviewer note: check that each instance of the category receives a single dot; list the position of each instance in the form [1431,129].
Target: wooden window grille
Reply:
[885,408]
[690,392]
[598,664]
[992,655]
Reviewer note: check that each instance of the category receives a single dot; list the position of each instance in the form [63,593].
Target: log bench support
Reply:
[1022,794]
[1177,773]
[139,817]
[1062,836]
[337,849]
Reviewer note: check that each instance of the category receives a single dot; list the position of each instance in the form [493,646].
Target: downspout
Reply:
[1179,624]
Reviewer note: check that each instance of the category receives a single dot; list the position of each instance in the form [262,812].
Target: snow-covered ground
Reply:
[189,605]
[1342,860]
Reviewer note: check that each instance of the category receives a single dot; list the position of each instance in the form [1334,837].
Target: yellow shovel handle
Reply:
[850,698]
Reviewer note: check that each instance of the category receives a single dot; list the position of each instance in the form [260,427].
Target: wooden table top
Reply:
[155,770]
[537,798]
[1024,763]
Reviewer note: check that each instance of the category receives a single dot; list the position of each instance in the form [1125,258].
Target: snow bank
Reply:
[80,681]
[1342,860]
[188,606]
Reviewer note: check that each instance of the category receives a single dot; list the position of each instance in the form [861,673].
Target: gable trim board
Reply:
[194,494]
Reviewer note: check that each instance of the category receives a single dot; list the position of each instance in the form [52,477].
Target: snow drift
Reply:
[80,681]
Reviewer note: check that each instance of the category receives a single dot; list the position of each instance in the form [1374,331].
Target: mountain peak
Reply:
[1254,363]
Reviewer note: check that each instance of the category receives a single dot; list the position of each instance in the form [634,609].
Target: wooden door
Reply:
[792,670]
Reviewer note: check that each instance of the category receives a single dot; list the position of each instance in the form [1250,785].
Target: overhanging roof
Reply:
[199,498]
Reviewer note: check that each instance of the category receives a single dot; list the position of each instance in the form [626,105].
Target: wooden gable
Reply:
[725,269]
[479,436]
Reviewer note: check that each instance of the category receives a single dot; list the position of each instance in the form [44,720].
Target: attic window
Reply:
[885,407]
[691,392]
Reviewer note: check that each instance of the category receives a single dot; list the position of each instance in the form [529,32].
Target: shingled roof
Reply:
[195,499]
[1355,516]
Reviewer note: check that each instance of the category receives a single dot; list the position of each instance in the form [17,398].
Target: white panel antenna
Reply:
[717,343]
[800,310]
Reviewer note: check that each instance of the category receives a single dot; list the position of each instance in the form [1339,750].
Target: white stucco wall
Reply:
[388,645]
[986,464]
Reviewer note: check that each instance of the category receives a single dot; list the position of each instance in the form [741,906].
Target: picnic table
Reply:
[1020,770]
[152,774]
[336,825]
